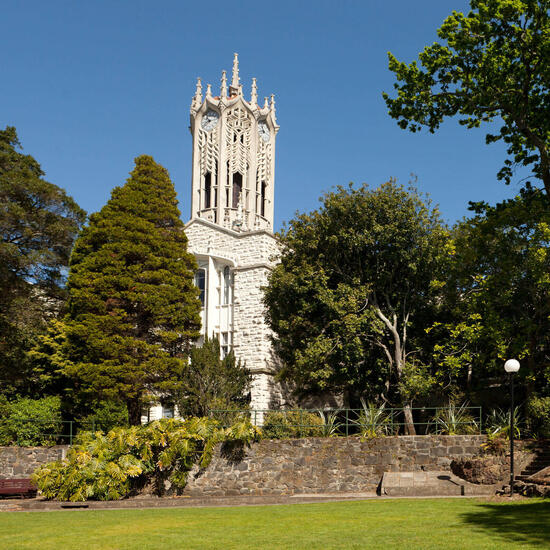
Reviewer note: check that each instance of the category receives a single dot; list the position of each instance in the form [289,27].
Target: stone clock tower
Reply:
[230,231]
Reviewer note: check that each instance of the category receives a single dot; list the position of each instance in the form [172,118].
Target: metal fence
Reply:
[41,431]
[367,421]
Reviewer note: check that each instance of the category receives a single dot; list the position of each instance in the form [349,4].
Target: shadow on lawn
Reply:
[526,523]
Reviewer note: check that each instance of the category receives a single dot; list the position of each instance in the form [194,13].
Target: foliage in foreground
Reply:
[112,466]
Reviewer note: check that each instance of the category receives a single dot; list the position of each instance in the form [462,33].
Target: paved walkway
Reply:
[36,505]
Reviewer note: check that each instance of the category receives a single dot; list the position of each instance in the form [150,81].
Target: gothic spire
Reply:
[235,80]
[209,90]
[254,94]
[224,85]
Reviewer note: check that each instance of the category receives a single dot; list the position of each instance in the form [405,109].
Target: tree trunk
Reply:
[134,412]
[399,358]
[409,422]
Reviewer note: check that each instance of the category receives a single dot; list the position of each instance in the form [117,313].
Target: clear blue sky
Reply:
[92,84]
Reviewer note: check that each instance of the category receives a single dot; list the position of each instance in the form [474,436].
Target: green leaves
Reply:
[133,308]
[211,383]
[492,64]
[361,251]
[38,222]
[114,465]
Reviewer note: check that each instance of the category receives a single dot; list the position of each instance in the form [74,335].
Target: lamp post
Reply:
[511,367]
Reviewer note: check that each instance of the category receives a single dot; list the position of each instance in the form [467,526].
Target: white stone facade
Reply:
[230,231]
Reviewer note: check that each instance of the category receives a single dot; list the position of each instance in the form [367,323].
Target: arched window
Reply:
[200,283]
[262,199]
[207,189]
[237,188]
[226,285]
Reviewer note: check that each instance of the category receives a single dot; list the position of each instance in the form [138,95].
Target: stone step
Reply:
[442,483]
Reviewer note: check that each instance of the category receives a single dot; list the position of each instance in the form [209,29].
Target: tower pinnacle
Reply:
[235,80]
[224,85]
[254,94]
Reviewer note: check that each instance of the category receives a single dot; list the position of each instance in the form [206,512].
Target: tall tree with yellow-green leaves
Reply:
[133,308]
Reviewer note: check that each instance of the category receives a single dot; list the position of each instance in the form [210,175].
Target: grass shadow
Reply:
[522,522]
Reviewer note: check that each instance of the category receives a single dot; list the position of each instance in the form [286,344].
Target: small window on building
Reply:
[226,285]
[168,411]
[226,342]
[207,189]
[262,199]
[200,283]
[237,188]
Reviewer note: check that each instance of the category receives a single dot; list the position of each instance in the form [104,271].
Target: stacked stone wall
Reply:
[252,254]
[20,462]
[325,465]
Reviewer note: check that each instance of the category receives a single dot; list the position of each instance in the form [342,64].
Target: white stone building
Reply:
[230,230]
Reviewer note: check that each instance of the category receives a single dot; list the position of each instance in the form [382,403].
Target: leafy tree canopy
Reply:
[491,64]
[499,294]
[39,223]
[354,288]
[133,308]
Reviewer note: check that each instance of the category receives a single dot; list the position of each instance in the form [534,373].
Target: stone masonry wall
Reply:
[20,462]
[325,465]
[253,254]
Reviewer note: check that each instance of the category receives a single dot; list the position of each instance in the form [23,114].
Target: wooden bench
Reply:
[17,487]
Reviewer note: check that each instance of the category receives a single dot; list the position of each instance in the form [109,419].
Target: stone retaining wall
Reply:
[20,462]
[325,465]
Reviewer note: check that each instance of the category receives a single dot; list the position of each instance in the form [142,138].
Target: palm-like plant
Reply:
[455,420]
[331,424]
[103,467]
[373,420]
[497,423]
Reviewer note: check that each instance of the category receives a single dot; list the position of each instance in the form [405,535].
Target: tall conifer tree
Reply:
[133,308]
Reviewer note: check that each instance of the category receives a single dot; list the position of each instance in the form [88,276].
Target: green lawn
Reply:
[388,524]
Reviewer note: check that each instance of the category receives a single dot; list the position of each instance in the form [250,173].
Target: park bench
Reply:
[17,487]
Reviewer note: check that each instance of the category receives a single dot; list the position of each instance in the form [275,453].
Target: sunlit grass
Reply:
[389,524]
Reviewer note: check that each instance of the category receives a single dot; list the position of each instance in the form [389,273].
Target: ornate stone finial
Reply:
[209,90]
[223,92]
[272,105]
[266,104]
[254,93]
[197,98]
[235,80]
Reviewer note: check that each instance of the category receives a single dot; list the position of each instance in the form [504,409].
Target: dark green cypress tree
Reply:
[133,308]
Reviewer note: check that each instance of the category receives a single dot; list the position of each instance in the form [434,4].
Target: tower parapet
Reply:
[233,156]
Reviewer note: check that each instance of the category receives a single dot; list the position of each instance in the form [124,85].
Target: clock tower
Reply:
[233,156]
[231,227]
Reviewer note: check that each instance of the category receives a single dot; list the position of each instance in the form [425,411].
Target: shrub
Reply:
[29,422]
[112,466]
[538,416]
[106,416]
[290,424]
